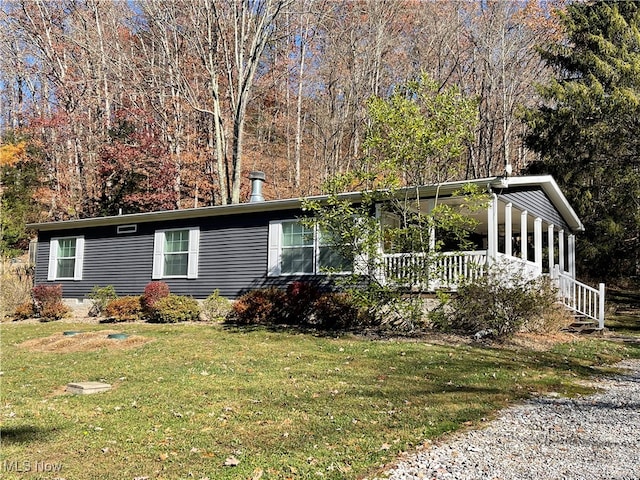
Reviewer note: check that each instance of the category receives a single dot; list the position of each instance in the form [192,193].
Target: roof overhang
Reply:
[490,184]
[551,188]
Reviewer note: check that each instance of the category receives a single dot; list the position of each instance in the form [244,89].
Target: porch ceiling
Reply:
[480,216]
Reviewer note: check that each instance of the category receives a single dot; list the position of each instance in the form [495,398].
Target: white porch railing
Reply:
[581,298]
[516,266]
[442,270]
[418,271]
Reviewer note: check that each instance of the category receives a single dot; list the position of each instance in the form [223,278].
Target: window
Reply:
[296,249]
[66,258]
[329,258]
[176,253]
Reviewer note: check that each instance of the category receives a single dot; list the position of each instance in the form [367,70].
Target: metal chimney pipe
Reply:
[257,179]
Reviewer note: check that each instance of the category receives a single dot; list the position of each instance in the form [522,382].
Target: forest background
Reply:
[140,105]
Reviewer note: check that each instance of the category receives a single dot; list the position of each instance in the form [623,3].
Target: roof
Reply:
[546,182]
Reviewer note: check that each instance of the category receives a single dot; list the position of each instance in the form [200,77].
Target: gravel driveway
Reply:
[590,438]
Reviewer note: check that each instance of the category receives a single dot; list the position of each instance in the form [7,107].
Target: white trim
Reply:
[523,235]
[52,272]
[508,229]
[275,253]
[551,250]
[192,253]
[492,229]
[194,248]
[571,244]
[77,272]
[53,259]
[158,254]
[561,250]
[124,229]
[537,242]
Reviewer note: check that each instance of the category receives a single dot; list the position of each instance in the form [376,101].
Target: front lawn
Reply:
[624,317]
[202,401]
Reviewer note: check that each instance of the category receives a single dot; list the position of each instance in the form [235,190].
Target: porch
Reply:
[522,242]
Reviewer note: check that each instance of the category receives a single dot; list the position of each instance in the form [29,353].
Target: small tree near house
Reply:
[358,235]
[416,135]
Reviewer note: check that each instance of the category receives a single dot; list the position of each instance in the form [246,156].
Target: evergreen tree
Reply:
[587,132]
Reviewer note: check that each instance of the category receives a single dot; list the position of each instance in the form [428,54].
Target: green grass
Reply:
[284,404]
[625,316]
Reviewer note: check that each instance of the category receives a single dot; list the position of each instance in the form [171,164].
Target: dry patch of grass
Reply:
[541,342]
[83,342]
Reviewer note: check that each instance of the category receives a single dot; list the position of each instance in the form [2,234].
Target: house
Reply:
[235,248]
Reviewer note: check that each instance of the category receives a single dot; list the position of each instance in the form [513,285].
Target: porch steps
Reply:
[582,324]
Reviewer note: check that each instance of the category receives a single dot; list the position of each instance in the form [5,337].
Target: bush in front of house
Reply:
[300,299]
[497,304]
[265,306]
[551,315]
[101,296]
[338,311]
[153,292]
[216,307]
[301,304]
[17,282]
[24,310]
[47,302]
[173,309]
[124,309]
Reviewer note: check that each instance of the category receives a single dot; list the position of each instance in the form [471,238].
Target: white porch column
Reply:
[551,249]
[508,229]
[537,241]
[561,250]
[523,235]
[492,229]
[431,204]
[571,244]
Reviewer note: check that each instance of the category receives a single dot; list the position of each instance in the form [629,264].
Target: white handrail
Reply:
[581,298]
[429,272]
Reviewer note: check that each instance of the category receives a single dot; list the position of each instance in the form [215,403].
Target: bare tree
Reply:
[501,70]
[228,40]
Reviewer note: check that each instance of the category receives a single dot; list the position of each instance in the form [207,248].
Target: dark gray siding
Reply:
[232,256]
[536,202]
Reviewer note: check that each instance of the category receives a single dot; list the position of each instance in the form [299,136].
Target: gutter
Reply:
[546,182]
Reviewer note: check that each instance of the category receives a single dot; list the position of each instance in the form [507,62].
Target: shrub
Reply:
[551,316]
[47,302]
[17,282]
[153,292]
[54,311]
[299,301]
[24,311]
[338,311]
[501,303]
[101,296]
[175,308]
[215,306]
[260,307]
[124,309]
